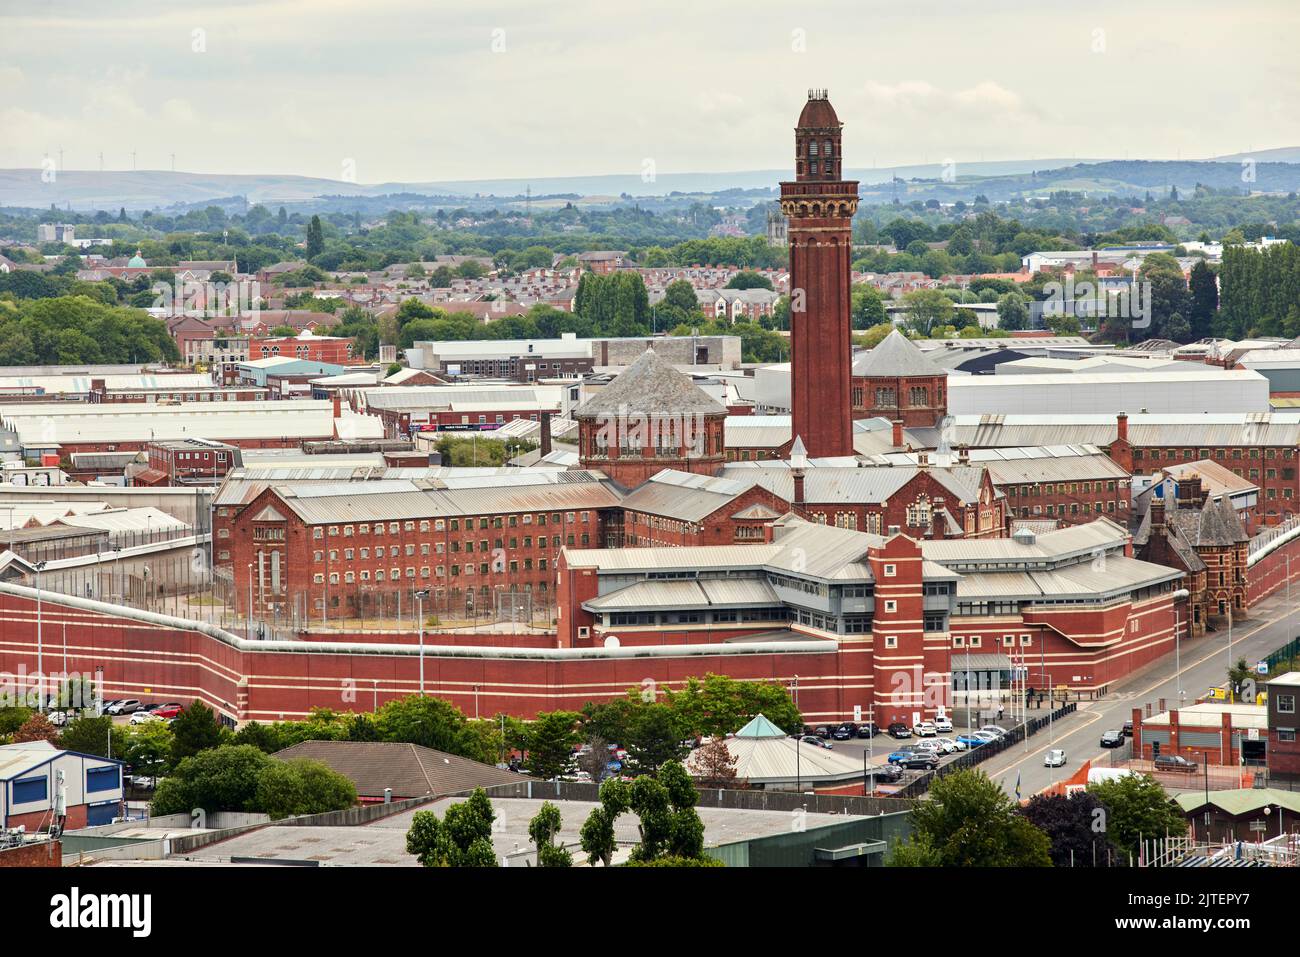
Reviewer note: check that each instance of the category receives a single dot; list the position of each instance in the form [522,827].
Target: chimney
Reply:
[1121,425]
[798,486]
[1157,517]
[1190,494]
[338,406]
[936,519]
[546,433]
[898,434]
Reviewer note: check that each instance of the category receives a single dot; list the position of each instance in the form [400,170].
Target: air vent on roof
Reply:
[1024,536]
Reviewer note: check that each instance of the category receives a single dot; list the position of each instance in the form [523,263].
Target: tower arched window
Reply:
[829,148]
[812,147]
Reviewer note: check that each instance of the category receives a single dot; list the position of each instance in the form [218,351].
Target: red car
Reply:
[167,710]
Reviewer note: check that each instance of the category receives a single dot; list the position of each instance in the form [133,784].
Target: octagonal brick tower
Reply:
[819,207]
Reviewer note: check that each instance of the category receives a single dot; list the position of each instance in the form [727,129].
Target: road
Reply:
[1204,663]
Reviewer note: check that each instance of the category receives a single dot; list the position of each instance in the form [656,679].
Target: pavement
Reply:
[1201,664]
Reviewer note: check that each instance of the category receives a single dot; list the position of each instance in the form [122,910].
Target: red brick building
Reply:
[650,417]
[819,208]
[330,349]
[190,461]
[344,550]
[895,381]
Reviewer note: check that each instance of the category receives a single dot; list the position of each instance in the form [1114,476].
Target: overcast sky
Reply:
[416,90]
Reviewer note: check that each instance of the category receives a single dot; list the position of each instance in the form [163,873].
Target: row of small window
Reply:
[717,616]
[917,397]
[1075,488]
[440,524]
[438,548]
[975,641]
[1286,453]
[1074,509]
[437,571]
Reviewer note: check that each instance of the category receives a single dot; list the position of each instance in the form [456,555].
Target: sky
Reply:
[377,91]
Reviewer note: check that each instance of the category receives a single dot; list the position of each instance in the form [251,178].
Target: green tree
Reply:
[748,279]
[542,829]
[1137,807]
[302,786]
[1205,300]
[195,729]
[90,735]
[1013,313]
[1074,826]
[315,238]
[147,748]
[596,837]
[217,779]
[653,737]
[550,739]
[926,309]
[971,822]
[720,705]
[462,838]
[867,308]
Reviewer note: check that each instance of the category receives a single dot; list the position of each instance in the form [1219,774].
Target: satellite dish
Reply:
[611,641]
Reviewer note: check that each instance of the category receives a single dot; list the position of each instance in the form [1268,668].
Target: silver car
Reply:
[1054,758]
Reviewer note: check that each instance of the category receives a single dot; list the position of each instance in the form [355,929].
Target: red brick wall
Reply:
[42,854]
[921,415]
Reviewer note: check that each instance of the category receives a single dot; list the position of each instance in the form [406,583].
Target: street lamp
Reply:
[40,662]
[1177,596]
[420,596]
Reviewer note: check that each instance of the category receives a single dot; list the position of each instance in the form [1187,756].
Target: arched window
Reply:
[812,147]
[829,148]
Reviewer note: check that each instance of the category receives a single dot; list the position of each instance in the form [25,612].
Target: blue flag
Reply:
[1017,785]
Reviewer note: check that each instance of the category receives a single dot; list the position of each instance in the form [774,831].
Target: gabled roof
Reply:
[409,769]
[650,386]
[896,355]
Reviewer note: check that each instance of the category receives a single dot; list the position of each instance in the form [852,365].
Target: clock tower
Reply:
[819,208]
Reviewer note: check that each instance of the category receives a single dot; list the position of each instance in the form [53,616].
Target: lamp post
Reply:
[420,596]
[250,601]
[40,660]
[1177,596]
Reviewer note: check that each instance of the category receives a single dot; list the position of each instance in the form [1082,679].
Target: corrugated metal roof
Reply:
[684,495]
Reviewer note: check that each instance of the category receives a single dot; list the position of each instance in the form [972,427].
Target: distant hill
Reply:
[1277,170]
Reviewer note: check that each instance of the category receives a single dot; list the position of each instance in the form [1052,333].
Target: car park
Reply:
[1054,758]
[868,729]
[969,740]
[814,740]
[899,730]
[1175,762]
[894,757]
[845,731]
[943,724]
[143,717]
[823,731]
[167,711]
[1112,739]
[945,745]
[987,737]
[924,729]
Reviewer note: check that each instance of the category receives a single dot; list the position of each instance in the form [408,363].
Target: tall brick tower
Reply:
[819,207]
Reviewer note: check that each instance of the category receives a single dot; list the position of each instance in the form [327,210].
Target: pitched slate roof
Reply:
[409,769]
[650,386]
[1216,524]
[896,355]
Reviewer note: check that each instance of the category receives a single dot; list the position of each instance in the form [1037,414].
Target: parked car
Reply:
[125,706]
[143,717]
[899,730]
[868,729]
[944,745]
[969,740]
[823,731]
[845,731]
[943,724]
[925,729]
[813,739]
[165,705]
[1112,739]
[59,718]
[1175,762]
[167,711]
[894,757]
[919,760]
[109,703]
[1128,729]
[889,772]
[1054,758]
[957,744]
[995,729]
[987,737]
